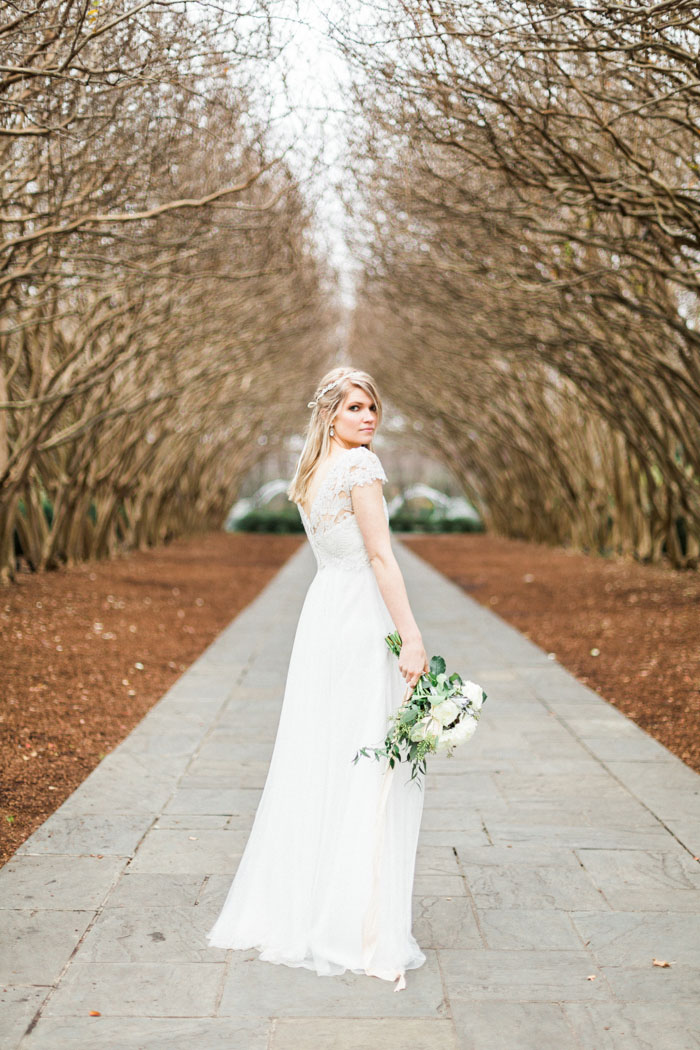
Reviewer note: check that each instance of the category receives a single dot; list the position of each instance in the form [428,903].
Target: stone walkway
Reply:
[556,862]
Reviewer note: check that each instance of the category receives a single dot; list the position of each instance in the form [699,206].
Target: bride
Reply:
[326,877]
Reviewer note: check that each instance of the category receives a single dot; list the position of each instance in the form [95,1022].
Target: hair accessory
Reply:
[322,392]
[325,390]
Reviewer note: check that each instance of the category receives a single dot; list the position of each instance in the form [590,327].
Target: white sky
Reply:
[310,106]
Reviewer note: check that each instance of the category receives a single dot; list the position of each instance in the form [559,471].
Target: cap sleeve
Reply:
[362,468]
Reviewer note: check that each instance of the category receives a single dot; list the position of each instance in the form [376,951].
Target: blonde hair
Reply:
[329,396]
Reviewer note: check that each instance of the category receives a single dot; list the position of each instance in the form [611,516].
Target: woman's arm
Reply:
[369,511]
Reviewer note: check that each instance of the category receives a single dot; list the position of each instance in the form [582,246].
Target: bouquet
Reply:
[440,713]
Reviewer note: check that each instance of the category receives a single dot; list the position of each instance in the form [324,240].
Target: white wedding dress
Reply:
[326,877]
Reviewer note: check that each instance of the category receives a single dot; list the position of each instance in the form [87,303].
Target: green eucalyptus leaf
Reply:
[437,666]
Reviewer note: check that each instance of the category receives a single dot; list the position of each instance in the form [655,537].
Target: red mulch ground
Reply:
[87,651]
[644,621]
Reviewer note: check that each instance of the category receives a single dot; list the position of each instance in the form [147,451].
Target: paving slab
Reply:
[33,949]
[556,861]
[483,1025]
[531,928]
[637,938]
[153,1033]
[444,920]
[638,1026]
[18,1005]
[292,1033]
[148,989]
[525,975]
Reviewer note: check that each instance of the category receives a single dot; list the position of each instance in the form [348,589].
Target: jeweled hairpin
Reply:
[321,393]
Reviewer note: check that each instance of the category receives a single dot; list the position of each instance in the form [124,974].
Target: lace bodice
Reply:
[331,525]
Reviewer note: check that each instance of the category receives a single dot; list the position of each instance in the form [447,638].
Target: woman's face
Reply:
[356,420]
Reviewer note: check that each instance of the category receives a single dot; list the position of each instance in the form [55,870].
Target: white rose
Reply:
[474,693]
[461,732]
[444,741]
[445,712]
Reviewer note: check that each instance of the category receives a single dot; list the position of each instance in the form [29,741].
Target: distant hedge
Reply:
[288,520]
[406,522]
[262,520]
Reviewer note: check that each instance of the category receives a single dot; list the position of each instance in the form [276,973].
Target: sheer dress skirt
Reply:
[325,880]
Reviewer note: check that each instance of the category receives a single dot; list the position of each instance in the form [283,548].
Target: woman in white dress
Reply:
[326,877]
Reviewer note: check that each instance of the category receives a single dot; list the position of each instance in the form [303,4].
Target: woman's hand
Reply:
[413,660]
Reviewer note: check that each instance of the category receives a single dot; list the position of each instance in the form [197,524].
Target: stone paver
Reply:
[555,863]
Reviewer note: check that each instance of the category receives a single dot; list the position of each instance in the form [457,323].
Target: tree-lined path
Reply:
[556,869]
[495,210]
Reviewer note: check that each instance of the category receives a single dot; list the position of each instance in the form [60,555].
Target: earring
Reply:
[332,430]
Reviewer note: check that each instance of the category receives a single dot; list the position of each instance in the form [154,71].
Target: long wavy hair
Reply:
[317,442]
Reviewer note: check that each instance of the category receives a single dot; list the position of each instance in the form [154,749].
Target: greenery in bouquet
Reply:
[440,713]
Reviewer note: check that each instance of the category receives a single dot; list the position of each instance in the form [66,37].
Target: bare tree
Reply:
[159,291]
[532,167]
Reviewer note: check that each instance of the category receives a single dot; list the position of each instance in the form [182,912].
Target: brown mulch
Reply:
[629,631]
[87,651]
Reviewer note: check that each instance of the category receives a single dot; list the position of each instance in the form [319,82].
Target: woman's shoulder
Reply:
[363,465]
